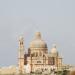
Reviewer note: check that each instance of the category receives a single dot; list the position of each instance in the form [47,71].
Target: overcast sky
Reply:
[55,19]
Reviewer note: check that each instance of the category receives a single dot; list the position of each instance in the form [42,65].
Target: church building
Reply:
[38,56]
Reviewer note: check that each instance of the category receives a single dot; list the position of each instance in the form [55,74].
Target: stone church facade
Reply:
[38,56]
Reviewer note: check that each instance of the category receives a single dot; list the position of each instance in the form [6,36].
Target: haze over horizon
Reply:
[55,19]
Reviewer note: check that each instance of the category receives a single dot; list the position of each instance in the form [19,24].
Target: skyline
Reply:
[54,19]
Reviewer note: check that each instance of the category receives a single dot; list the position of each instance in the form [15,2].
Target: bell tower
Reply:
[21,55]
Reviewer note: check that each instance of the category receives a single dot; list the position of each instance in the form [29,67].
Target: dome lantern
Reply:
[37,35]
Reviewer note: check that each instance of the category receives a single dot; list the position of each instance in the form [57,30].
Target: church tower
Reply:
[21,55]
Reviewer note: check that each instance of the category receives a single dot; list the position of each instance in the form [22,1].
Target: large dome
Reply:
[38,42]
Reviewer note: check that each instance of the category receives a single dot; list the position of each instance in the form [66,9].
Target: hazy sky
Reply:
[55,19]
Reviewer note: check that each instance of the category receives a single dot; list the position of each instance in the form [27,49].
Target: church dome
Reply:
[38,42]
[54,50]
